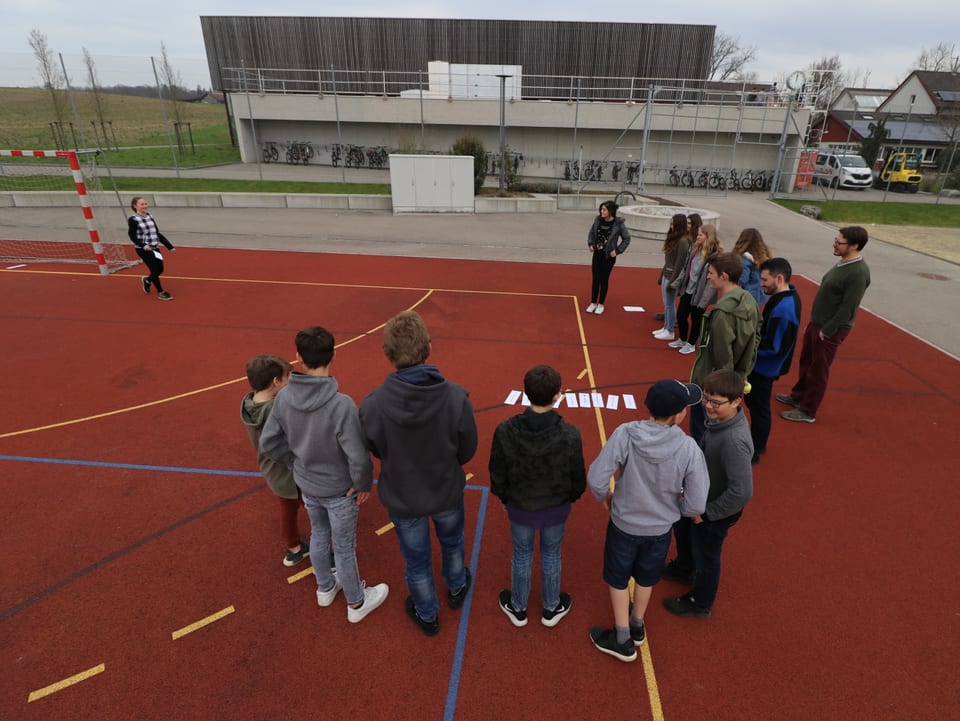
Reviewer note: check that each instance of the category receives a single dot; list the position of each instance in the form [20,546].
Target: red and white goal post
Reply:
[46,183]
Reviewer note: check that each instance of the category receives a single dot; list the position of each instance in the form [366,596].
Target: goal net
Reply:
[56,206]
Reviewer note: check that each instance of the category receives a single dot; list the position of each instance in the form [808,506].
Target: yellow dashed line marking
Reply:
[66,683]
[202,622]
[385,529]
[582,374]
[300,575]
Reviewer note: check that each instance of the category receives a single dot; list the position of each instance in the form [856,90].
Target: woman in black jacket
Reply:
[608,238]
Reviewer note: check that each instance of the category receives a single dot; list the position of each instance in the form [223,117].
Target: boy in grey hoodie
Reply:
[316,430]
[661,476]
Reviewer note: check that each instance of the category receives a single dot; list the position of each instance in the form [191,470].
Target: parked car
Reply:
[842,170]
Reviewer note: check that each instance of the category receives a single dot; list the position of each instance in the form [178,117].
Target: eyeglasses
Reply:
[841,242]
[713,402]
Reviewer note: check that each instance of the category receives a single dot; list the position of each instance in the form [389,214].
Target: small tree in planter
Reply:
[471,145]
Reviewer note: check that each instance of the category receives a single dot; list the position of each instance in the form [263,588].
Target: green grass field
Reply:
[890,213]
[11,183]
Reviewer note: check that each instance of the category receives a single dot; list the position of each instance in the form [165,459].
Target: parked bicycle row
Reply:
[719,178]
[596,170]
[294,152]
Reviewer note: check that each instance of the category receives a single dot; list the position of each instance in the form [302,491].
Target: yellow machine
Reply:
[901,173]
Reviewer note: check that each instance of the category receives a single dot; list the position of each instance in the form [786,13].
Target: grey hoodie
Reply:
[663,476]
[316,430]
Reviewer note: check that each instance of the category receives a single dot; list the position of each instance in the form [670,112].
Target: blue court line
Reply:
[132,466]
[454,686]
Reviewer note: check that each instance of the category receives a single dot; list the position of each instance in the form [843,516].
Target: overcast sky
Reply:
[881,37]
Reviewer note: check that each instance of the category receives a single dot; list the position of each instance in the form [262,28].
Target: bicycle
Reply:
[746,180]
[271,154]
[733,180]
[687,180]
[717,181]
[676,176]
[335,154]
[377,157]
[355,157]
[703,179]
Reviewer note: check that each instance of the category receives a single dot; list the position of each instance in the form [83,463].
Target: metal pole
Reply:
[73,103]
[576,115]
[846,146]
[903,134]
[423,141]
[781,153]
[949,164]
[253,127]
[647,117]
[336,107]
[503,158]
[163,113]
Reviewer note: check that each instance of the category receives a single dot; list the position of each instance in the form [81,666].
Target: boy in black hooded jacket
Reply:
[537,470]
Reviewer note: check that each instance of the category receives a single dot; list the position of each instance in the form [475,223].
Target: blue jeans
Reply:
[669,304]
[523,540]
[334,521]
[414,537]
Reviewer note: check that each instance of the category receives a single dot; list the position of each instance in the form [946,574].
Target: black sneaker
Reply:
[685,606]
[429,628]
[455,600]
[146,284]
[675,572]
[292,558]
[552,618]
[638,634]
[786,399]
[605,641]
[164,296]
[517,618]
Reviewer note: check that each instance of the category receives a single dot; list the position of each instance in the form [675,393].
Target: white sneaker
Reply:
[372,598]
[664,335]
[677,343]
[325,598]
[592,307]
[688,349]
[658,331]
[599,310]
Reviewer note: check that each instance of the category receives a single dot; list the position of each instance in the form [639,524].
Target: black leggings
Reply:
[688,319]
[154,265]
[602,267]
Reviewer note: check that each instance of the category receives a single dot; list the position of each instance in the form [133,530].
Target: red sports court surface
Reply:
[140,565]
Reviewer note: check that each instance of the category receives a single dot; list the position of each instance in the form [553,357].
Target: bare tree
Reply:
[99,98]
[50,73]
[171,82]
[827,79]
[729,57]
[942,58]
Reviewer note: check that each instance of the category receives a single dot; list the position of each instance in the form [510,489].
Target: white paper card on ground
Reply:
[629,401]
[584,400]
[571,400]
[556,403]
[613,401]
[525,401]
[597,399]
[512,398]
[633,308]
[158,255]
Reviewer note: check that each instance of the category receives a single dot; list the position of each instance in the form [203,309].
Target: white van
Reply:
[842,170]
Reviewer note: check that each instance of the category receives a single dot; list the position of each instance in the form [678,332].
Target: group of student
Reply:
[315,445]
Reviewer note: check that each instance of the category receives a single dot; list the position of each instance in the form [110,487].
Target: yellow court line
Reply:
[315,284]
[653,690]
[468,477]
[202,622]
[385,529]
[177,397]
[582,374]
[300,575]
[66,683]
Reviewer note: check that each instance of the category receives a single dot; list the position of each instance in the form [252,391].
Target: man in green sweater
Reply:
[831,319]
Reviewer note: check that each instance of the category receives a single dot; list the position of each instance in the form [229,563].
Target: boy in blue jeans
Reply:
[316,430]
[536,469]
[661,476]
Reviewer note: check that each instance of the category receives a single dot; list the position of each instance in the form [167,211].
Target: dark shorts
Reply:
[639,556]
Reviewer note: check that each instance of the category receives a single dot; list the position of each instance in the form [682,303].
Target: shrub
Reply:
[472,145]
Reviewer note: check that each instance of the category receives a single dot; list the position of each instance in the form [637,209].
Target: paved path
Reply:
[913,290]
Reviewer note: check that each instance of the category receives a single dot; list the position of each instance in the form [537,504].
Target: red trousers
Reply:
[289,527]
[815,360]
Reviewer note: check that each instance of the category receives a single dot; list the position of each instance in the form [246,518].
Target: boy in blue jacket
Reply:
[778,337]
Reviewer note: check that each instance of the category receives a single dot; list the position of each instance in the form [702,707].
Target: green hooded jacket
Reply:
[729,336]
